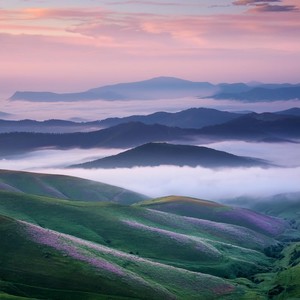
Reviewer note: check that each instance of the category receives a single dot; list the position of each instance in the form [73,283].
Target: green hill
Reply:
[63,249]
[65,187]
[213,211]
[44,264]
[209,247]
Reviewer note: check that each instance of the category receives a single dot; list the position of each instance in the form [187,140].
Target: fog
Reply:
[280,154]
[170,180]
[98,110]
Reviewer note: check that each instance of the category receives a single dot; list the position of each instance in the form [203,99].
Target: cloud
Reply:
[195,182]
[253,2]
[266,6]
[161,3]
[53,44]
[168,180]
[274,8]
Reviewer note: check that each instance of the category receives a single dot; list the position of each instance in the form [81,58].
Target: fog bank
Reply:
[98,110]
[169,180]
[195,182]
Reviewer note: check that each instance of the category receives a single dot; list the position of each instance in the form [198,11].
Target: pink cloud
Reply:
[57,47]
[253,2]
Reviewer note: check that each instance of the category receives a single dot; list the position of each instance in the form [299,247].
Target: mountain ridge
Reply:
[156,154]
[169,88]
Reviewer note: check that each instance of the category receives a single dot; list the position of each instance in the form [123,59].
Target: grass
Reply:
[65,187]
[213,211]
[214,248]
[33,268]
[101,250]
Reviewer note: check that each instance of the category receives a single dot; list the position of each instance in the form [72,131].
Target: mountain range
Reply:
[193,118]
[267,127]
[169,88]
[156,154]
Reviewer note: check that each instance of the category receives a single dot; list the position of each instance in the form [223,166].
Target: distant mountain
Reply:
[190,118]
[266,127]
[48,126]
[257,127]
[65,187]
[156,88]
[263,93]
[169,88]
[156,154]
[295,111]
[120,136]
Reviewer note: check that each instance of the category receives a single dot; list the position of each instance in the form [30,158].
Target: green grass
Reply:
[65,187]
[162,255]
[209,210]
[178,241]
[35,270]
[284,281]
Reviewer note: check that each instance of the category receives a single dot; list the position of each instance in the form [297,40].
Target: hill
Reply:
[295,111]
[156,154]
[216,212]
[257,127]
[220,249]
[190,118]
[65,187]
[61,249]
[42,263]
[119,136]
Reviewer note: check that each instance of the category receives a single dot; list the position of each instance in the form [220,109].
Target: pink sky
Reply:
[75,45]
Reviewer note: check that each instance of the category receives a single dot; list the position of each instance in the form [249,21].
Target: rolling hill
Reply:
[214,248]
[65,187]
[42,263]
[253,126]
[156,154]
[119,136]
[208,210]
[266,127]
[190,118]
[168,248]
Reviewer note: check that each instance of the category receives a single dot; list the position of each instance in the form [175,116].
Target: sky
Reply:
[73,45]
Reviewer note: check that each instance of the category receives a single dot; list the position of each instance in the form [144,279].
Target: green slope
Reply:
[45,264]
[215,248]
[213,211]
[65,187]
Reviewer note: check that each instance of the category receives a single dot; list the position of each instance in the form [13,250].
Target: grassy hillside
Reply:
[41,263]
[283,283]
[215,248]
[65,187]
[61,249]
[213,211]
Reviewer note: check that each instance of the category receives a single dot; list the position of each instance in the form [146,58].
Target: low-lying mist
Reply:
[167,180]
[195,182]
[99,110]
